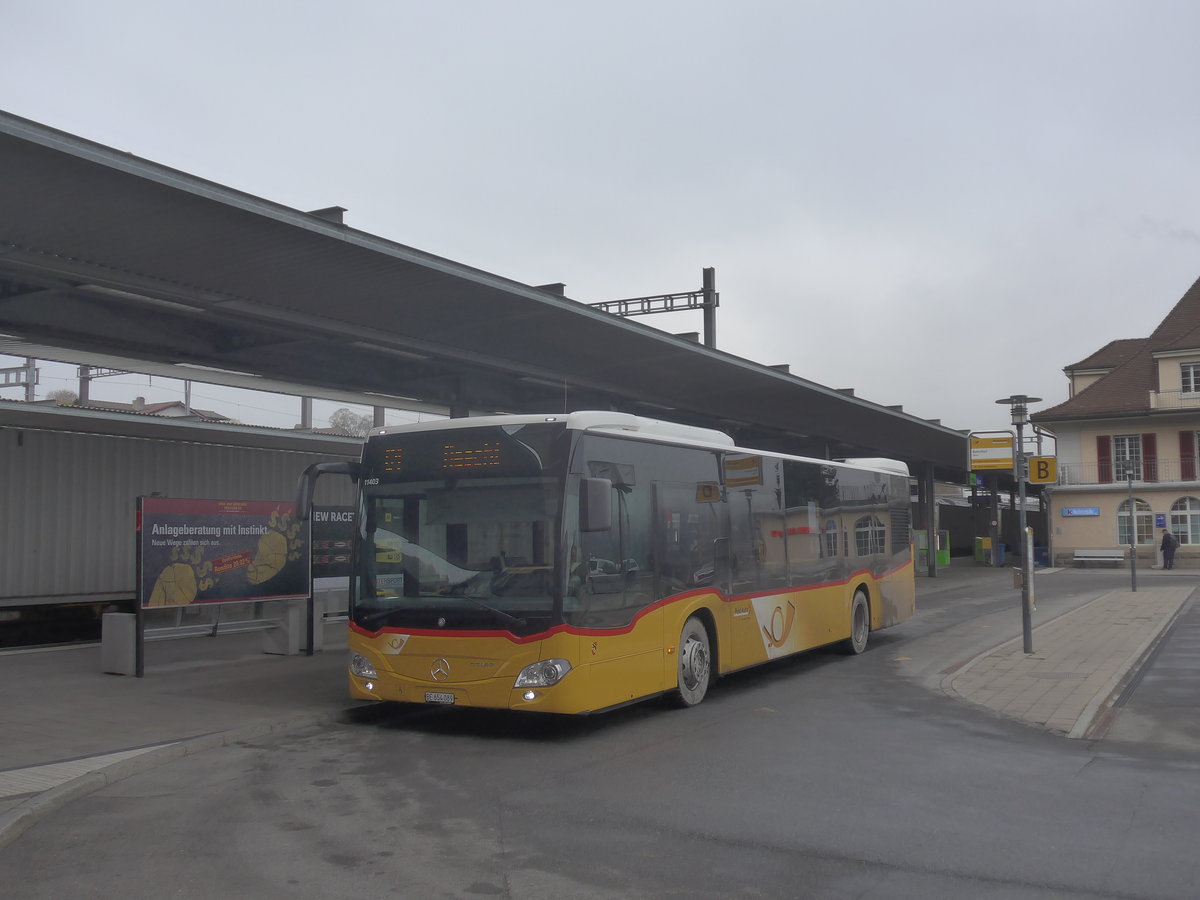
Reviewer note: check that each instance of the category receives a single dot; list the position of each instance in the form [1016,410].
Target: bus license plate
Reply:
[439,697]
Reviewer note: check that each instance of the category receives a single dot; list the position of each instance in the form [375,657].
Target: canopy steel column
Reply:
[929,493]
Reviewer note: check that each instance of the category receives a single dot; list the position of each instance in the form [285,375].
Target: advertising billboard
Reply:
[219,551]
[332,534]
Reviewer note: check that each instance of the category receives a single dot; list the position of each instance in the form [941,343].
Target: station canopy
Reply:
[113,257]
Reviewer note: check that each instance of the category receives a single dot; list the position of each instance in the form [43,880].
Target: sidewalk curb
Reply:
[1093,714]
[21,818]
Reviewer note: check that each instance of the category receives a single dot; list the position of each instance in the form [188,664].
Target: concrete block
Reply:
[118,643]
[289,634]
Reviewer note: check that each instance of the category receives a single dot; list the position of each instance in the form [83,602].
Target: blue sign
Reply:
[1081,511]
[1160,520]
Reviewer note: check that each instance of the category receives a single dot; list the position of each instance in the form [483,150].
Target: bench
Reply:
[1116,556]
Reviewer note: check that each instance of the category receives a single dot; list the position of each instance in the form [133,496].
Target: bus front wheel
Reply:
[695,662]
[860,624]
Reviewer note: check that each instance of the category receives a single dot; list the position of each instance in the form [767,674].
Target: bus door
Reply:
[611,595]
[691,548]
[763,611]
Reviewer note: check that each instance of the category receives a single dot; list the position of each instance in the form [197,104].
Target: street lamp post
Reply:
[1132,537]
[1019,404]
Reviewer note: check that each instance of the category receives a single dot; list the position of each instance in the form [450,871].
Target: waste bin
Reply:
[983,548]
[1041,556]
[983,551]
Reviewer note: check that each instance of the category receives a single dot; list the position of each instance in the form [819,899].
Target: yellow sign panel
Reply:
[708,492]
[1043,469]
[989,453]
[743,471]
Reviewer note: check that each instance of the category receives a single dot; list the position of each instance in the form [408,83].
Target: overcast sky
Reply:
[935,203]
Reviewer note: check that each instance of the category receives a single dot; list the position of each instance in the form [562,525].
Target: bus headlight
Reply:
[361,666]
[543,674]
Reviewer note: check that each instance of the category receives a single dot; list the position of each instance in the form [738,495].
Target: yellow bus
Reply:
[576,563]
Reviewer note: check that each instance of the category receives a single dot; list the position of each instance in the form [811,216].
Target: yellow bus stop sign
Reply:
[989,453]
[1043,469]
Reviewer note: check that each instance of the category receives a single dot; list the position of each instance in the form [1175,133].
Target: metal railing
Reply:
[1118,472]
[1174,400]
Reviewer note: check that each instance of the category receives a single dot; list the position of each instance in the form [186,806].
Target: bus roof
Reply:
[631,425]
[578,421]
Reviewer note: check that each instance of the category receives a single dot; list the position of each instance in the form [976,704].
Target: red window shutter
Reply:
[1149,457]
[1187,455]
[1104,470]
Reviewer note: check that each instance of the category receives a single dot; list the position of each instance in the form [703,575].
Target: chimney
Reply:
[330,214]
[139,403]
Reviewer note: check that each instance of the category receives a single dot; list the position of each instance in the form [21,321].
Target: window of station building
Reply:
[1189,377]
[1185,520]
[1144,519]
[1127,457]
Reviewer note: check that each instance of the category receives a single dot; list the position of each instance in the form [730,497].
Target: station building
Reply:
[1130,429]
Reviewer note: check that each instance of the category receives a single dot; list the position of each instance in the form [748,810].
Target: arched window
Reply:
[1185,520]
[869,536]
[1144,516]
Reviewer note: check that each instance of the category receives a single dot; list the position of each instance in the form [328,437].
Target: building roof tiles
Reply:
[1125,390]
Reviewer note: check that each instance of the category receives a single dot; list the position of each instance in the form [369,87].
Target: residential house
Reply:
[171,409]
[1131,424]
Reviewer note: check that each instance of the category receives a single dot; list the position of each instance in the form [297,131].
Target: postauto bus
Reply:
[575,563]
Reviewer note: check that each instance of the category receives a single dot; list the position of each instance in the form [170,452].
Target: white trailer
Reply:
[69,480]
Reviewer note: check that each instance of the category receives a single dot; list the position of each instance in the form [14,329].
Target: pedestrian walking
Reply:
[1169,543]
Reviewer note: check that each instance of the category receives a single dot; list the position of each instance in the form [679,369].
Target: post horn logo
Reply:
[781,625]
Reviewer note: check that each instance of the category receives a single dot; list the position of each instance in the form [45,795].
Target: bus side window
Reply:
[687,532]
[608,571]
[757,525]
[627,565]
[813,546]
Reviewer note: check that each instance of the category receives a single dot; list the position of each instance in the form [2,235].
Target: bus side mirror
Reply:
[595,504]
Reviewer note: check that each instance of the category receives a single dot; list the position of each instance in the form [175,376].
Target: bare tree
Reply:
[63,397]
[350,422]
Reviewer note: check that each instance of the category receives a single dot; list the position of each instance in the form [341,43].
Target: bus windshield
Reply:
[473,549]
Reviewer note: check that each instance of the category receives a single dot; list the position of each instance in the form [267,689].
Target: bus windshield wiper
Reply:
[373,617]
[498,613]
[380,614]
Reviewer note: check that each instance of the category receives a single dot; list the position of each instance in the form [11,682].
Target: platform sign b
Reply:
[1043,469]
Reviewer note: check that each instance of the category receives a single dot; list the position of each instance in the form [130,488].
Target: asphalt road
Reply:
[821,776]
[1162,704]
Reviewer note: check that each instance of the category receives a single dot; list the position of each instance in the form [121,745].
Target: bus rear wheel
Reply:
[695,662]
[860,624]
